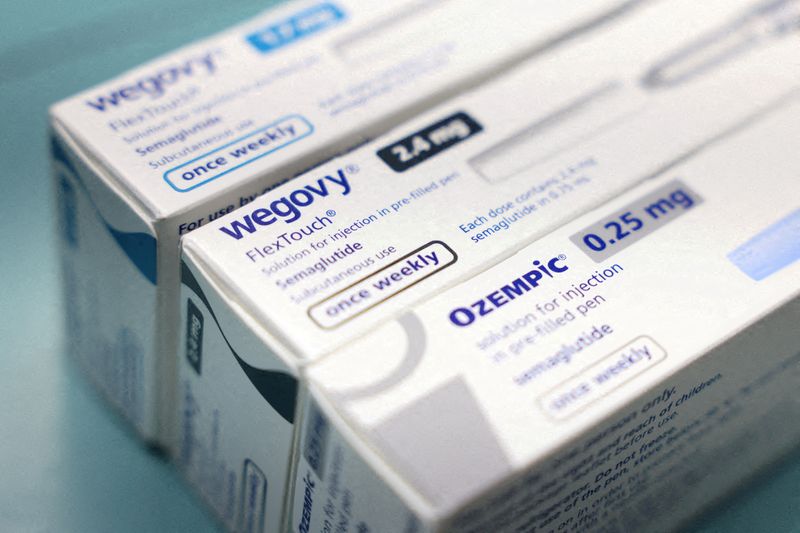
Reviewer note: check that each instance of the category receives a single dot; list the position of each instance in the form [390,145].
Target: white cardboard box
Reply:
[167,147]
[649,368]
[318,262]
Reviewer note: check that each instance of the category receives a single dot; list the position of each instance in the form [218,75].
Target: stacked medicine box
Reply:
[307,269]
[141,160]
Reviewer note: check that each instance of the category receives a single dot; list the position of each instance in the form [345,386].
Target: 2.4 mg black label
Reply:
[428,142]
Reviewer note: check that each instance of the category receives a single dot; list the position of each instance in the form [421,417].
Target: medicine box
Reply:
[619,374]
[309,267]
[141,160]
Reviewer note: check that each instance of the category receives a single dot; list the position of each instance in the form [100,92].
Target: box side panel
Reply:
[233,392]
[335,489]
[667,455]
[108,262]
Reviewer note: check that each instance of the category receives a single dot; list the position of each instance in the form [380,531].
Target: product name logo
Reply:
[466,316]
[308,501]
[289,207]
[296,27]
[155,85]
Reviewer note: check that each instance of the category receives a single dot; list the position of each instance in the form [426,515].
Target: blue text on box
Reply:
[238,153]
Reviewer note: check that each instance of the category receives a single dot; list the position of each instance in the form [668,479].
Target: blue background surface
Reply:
[66,463]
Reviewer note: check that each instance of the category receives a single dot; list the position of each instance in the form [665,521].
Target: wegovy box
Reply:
[172,145]
[616,375]
[328,257]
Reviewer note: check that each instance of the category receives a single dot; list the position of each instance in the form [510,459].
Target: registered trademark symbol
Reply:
[562,256]
[352,169]
[330,213]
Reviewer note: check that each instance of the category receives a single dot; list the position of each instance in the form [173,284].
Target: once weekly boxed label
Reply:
[328,257]
[179,142]
[639,374]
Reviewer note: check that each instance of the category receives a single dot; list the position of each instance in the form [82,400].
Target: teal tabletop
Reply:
[67,464]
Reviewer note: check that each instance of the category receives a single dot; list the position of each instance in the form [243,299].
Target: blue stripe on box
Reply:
[774,248]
